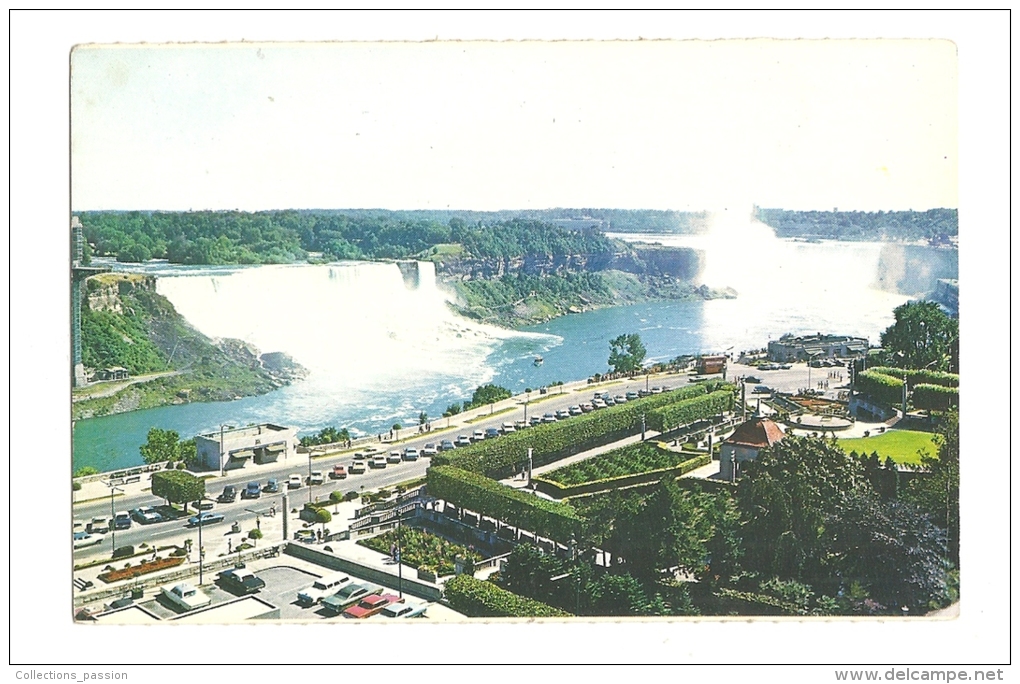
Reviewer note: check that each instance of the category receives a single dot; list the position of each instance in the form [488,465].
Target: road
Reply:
[246,511]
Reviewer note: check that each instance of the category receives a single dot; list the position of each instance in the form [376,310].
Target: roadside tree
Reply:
[161,445]
[626,353]
[923,337]
[177,486]
[489,394]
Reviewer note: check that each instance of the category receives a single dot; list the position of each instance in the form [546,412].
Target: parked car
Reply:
[322,587]
[146,515]
[229,495]
[358,468]
[752,379]
[186,596]
[377,461]
[656,390]
[447,445]
[620,399]
[785,366]
[348,596]
[631,396]
[608,400]
[99,525]
[85,539]
[394,457]
[644,393]
[338,472]
[122,602]
[491,432]
[478,435]
[598,404]
[535,420]
[294,481]
[562,414]
[760,389]
[241,581]
[404,610]
[371,605]
[122,521]
[548,418]
[410,454]
[305,536]
[575,410]
[507,428]
[79,525]
[272,487]
[316,478]
[463,440]
[205,519]
[203,505]
[587,407]
[520,424]
[429,450]
[252,491]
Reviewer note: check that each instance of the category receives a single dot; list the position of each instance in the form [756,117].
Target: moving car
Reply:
[338,472]
[241,581]
[348,596]
[429,450]
[377,462]
[273,486]
[185,596]
[122,521]
[146,515]
[463,440]
[316,478]
[99,525]
[229,494]
[203,505]
[294,481]
[84,539]
[322,587]
[205,519]
[252,491]
[358,468]
[394,457]
[404,610]
[410,454]
[761,389]
[371,605]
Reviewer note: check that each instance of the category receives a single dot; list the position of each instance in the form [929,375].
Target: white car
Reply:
[507,428]
[316,478]
[294,481]
[83,539]
[429,450]
[393,457]
[186,596]
[404,610]
[357,468]
[410,454]
[478,435]
[323,587]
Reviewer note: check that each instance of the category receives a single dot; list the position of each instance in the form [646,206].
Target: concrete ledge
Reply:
[410,583]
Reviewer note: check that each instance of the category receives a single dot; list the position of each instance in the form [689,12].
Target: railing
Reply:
[123,476]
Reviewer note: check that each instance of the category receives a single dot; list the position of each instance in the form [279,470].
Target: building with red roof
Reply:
[744,444]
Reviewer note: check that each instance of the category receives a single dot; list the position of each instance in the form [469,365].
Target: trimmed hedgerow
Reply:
[476,598]
[500,458]
[881,387]
[478,493]
[935,398]
[692,410]
[920,377]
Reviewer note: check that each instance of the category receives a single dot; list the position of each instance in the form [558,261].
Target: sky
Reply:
[682,132]
[670,124]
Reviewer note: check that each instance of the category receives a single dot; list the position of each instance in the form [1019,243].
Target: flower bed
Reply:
[419,548]
[143,568]
[629,460]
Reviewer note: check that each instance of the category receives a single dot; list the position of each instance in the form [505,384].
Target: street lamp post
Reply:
[113,517]
[201,548]
[309,476]
[400,565]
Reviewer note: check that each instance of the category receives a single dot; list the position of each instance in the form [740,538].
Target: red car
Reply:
[339,472]
[370,605]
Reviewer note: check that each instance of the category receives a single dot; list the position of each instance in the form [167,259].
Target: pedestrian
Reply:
[393,550]
[258,523]
[230,546]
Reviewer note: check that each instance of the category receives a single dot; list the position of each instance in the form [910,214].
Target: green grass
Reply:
[901,445]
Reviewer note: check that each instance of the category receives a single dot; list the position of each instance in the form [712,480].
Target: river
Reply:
[382,347]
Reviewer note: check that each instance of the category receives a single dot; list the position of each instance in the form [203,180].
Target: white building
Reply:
[232,448]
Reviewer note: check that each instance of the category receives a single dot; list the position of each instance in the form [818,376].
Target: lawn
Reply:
[901,445]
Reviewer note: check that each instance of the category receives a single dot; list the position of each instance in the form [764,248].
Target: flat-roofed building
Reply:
[807,347]
[232,448]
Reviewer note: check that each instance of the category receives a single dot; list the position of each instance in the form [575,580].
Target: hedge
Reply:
[502,457]
[918,377]
[935,397]
[692,410]
[476,598]
[478,493]
[556,489]
[881,387]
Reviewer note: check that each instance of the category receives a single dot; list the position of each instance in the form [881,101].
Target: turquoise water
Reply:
[381,348]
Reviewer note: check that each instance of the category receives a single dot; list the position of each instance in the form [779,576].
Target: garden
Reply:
[422,549]
[629,460]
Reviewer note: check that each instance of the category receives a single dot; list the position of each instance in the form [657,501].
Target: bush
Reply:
[86,470]
[179,552]
[476,598]
[350,496]
[882,388]
[182,466]
[935,397]
[123,552]
[76,486]
[478,493]
[918,377]
[690,411]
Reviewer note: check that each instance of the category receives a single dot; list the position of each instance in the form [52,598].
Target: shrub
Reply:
[76,486]
[476,598]
[918,377]
[883,388]
[935,397]
[551,519]
[350,496]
